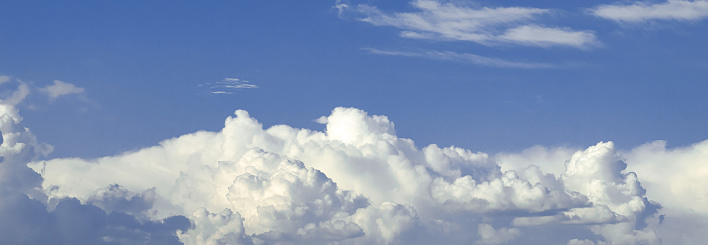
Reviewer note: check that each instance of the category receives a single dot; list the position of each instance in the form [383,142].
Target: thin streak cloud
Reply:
[228,86]
[463,57]
[678,10]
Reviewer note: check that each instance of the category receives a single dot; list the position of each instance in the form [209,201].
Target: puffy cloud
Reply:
[683,184]
[358,182]
[549,160]
[676,179]
[488,235]
[60,88]
[216,229]
[488,26]
[680,10]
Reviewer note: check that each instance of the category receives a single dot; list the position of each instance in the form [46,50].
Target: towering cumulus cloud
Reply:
[356,183]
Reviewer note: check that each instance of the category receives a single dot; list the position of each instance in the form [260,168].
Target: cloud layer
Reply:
[356,182]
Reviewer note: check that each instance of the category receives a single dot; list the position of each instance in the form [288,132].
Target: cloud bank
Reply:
[356,183]
[440,20]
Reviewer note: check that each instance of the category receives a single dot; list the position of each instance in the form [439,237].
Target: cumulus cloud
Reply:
[357,182]
[60,88]
[679,10]
[488,26]
[488,235]
[227,86]
[463,57]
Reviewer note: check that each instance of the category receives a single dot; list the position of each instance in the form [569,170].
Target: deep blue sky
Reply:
[142,63]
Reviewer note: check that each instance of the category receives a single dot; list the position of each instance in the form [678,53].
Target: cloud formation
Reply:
[679,10]
[355,182]
[60,88]
[488,26]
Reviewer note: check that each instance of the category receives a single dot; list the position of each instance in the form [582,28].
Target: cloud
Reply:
[678,10]
[4,79]
[488,235]
[60,88]
[534,35]
[358,183]
[463,57]
[683,185]
[227,86]
[488,26]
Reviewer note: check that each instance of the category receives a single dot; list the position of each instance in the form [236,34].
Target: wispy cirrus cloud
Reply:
[679,10]
[227,86]
[463,57]
[488,26]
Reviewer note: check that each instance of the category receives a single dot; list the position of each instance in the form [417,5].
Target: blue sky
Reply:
[142,63]
[488,76]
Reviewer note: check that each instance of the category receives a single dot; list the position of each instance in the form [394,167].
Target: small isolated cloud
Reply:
[60,88]
[679,10]
[228,86]
[463,57]
[488,26]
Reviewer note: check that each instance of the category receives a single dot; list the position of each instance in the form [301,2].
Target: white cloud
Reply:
[359,183]
[355,183]
[487,26]
[675,177]
[60,88]
[543,36]
[463,57]
[679,10]
[227,86]
[488,235]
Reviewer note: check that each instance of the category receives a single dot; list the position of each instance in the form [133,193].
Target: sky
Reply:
[359,122]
